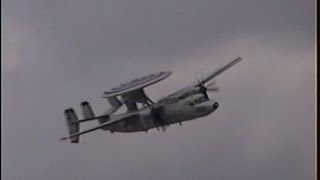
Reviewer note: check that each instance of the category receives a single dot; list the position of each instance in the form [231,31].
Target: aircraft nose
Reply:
[215,105]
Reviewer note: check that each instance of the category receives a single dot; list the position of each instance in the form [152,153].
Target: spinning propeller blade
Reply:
[207,88]
[211,83]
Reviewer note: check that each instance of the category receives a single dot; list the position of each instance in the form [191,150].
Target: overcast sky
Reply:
[56,54]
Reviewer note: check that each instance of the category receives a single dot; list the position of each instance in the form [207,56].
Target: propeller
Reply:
[207,88]
[211,87]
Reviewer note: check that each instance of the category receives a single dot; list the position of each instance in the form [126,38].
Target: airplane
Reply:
[188,103]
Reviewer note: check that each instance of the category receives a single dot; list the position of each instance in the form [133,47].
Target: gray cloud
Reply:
[59,53]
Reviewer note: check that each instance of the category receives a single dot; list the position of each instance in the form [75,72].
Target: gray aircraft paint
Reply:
[56,54]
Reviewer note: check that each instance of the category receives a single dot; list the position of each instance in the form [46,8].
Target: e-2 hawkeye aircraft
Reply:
[142,113]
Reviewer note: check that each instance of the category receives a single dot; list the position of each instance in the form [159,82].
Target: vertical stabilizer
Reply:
[72,124]
[87,110]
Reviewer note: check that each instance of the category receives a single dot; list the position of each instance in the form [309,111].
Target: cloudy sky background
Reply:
[56,54]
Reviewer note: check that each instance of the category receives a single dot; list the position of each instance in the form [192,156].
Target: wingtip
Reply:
[239,58]
[62,139]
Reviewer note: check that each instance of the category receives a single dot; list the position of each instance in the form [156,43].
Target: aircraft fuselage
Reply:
[183,109]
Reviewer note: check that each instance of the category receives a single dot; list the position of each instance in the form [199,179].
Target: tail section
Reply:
[88,113]
[87,110]
[73,125]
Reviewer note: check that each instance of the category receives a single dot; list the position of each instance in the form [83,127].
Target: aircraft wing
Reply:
[219,71]
[108,123]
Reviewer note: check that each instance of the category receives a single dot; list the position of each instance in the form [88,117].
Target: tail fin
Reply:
[87,110]
[73,125]
[88,113]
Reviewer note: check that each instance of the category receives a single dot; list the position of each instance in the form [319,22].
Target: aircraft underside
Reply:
[136,125]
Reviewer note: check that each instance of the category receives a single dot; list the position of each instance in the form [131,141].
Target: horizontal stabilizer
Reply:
[117,119]
[73,126]
[94,118]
